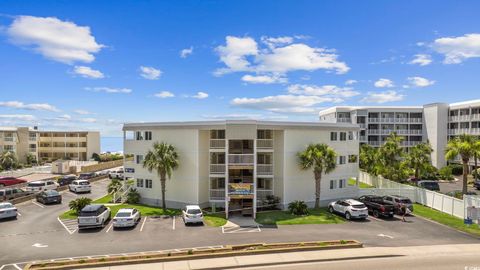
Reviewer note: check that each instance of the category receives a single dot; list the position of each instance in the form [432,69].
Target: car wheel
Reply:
[348,216]
[330,209]
[375,213]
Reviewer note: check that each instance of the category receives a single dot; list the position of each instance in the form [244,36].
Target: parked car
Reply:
[100,173]
[86,176]
[126,217]
[397,202]
[429,184]
[7,210]
[476,184]
[118,174]
[93,216]
[12,193]
[351,209]
[10,181]
[377,206]
[49,196]
[80,186]
[36,186]
[66,180]
[192,214]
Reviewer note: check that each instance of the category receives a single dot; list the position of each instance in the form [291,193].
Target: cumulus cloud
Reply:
[32,106]
[109,90]
[273,42]
[382,83]
[264,79]
[420,81]
[421,59]
[55,39]
[382,97]
[351,82]
[150,73]
[234,54]
[186,52]
[83,112]
[200,95]
[323,90]
[164,94]
[88,72]
[458,49]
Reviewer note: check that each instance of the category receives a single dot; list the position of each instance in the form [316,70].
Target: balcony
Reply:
[217,194]
[240,159]
[374,131]
[264,169]
[386,131]
[416,120]
[265,143]
[388,120]
[402,131]
[344,120]
[401,120]
[362,125]
[9,139]
[416,131]
[475,117]
[217,143]
[475,131]
[32,139]
[240,190]
[217,168]
[32,150]
[363,138]
[263,193]
[374,143]
[373,120]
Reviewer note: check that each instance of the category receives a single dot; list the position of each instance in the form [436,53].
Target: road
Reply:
[456,185]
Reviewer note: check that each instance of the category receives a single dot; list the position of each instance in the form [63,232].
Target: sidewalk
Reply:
[302,257]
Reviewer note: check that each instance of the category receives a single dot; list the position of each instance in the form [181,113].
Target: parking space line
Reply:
[65,226]
[37,204]
[111,225]
[18,213]
[143,223]
[173,226]
[16,266]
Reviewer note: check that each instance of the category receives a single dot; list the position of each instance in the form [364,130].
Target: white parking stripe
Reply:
[143,223]
[37,204]
[111,225]
[16,266]
[65,226]
[18,213]
[173,226]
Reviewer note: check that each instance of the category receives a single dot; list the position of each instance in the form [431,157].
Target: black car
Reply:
[66,180]
[430,185]
[49,196]
[86,176]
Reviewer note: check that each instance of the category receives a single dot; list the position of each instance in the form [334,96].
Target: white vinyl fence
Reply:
[435,200]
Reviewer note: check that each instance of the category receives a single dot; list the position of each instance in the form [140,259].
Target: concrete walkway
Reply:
[306,256]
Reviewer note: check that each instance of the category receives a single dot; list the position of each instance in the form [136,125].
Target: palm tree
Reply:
[463,146]
[322,158]
[476,154]
[8,160]
[389,158]
[163,159]
[368,158]
[418,158]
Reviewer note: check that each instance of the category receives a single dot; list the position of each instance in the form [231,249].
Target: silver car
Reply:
[126,217]
[7,210]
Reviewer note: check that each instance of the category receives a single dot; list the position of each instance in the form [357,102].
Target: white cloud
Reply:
[88,72]
[83,112]
[234,54]
[273,42]
[65,117]
[200,95]
[458,49]
[382,97]
[421,59]
[420,81]
[22,117]
[88,120]
[109,90]
[382,83]
[164,94]
[58,40]
[150,73]
[324,90]
[32,106]
[264,79]
[350,82]
[186,52]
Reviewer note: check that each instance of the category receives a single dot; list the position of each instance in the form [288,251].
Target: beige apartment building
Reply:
[49,145]
[235,164]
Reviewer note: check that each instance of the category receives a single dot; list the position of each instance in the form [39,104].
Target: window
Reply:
[148,183]
[352,158]
[140,183]
[343,136]
[350,135]
[148,135]
[129,135]
[138,135]
[341,159]
[217,183]
[333,136]
[341,183]
[263,183]
[333,184]
[139,159]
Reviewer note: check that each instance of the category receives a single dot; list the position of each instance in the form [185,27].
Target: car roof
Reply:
[82,180]
[353,202]
[92,207]
[37,182]
[192,207]
[125,210]
[6,203]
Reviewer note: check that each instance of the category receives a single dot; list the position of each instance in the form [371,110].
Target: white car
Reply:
[192,214]
[80,186]
[36,186]
[7,210]
[126,217]
[93,216]
[349,208]
[118,174]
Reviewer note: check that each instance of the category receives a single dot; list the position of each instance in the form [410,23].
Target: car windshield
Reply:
[6,205]
[84,183]
[359,206]
[36,184]
[52,193]
[194,211]
[123,214]
[405,201]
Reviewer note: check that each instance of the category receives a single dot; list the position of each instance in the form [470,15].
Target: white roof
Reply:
[353,202]
[192,207]
[125,210]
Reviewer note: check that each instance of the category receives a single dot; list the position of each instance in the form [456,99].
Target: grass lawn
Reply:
[316,216]
[351,182]
[445,219]
[105,199]
[214,219]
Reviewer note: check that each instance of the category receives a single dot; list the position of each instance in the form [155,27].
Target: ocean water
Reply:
[111,144]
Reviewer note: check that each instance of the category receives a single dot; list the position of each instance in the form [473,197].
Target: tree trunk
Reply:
[163,182]
[416,173]
[475,157]
[318,181]
[465,176]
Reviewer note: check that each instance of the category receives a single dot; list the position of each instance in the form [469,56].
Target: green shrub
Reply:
[298,208]
[190,252]
[271,202]
[457,169]
[133,196]
[78,204]
[446,173]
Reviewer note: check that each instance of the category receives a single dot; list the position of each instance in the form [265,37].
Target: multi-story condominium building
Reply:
[49,145]
[435,123]
[236,164]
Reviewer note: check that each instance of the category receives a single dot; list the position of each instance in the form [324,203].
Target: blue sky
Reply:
[97,64]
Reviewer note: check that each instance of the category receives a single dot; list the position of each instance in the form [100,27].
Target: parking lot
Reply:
[38,235]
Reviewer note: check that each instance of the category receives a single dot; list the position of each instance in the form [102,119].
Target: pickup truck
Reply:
[93,216]
[377,206]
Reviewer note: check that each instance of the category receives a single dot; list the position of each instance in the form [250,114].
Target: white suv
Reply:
[93,216]
[36,186]
[350,208]
[118,174]
[192,214]
[80,186]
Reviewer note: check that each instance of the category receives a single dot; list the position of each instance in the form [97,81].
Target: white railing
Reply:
[475,117]
[416,120]
[386,131]
[217,194]
[401,120]
[388,120]
[264,169]
[416,131]
[239,159]
[374,131]
[362,125]
[401,131]
[475,131]
[344,120]
[363,138]
[264,143]
[373,120]
[217,143]
[453,118]
[263,193]
[9,139]
[374,143]
[32,138]
[464,117]
[217,168]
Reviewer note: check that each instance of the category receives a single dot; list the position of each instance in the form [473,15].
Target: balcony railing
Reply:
[386,131]
[263,193]
[264,169]
[9,139]
[374,143]
[217,143]
[475,131]
[32,139]
[32,149]
[475,117]
[401,131]
[362,125]
[416,120]
[388,120]
[265,143]
[374,131]
[416,131]
[217,194]
[373,120]
[217,168]
[458,131]
[240,159]
[401,120]
[344,120]
[363,138]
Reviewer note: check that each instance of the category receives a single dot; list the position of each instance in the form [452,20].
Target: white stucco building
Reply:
[236,164]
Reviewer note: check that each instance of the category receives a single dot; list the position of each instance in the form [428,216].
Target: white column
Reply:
[227,199]
[254,178]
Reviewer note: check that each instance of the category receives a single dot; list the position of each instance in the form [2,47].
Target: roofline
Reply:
[353,108]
